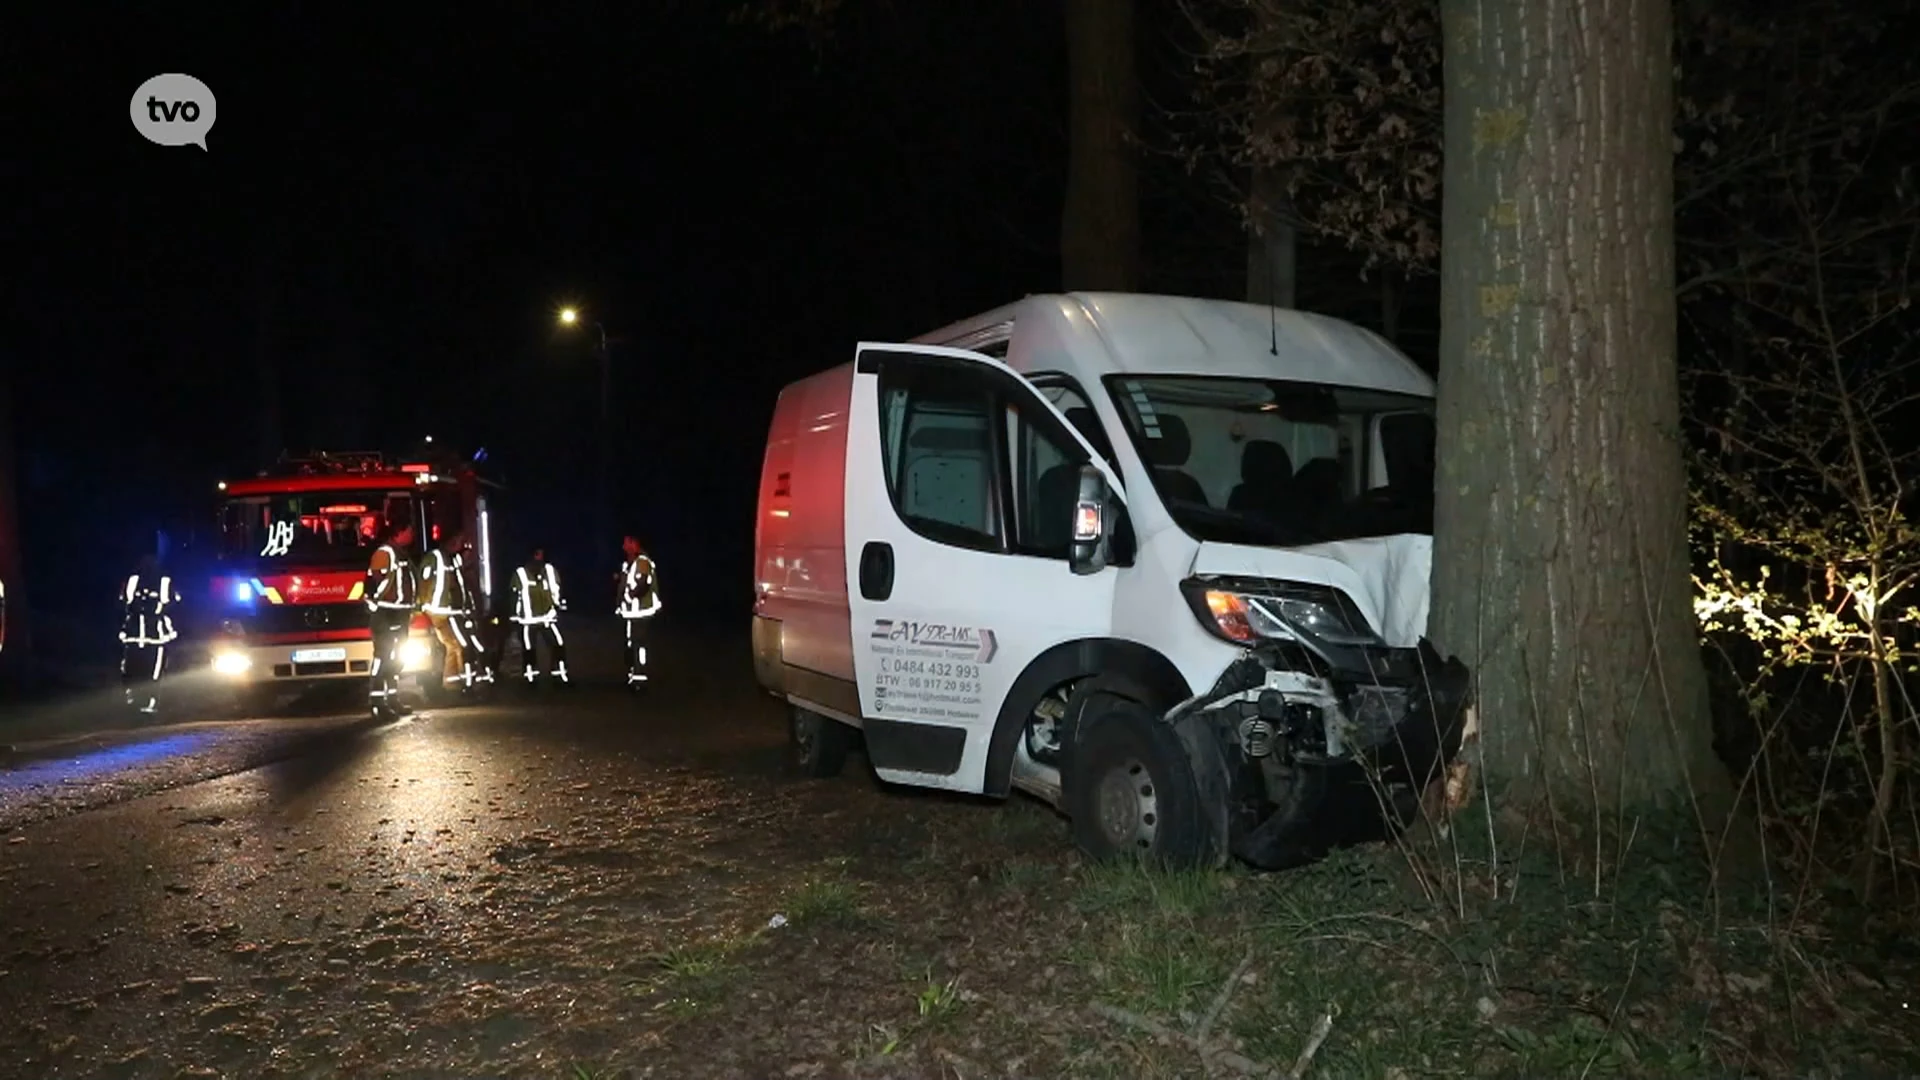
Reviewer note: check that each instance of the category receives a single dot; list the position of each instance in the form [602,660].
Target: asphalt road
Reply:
[450,895]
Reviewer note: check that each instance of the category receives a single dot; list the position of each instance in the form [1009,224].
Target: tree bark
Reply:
[1560,559]
[1271,243]
[1100,223]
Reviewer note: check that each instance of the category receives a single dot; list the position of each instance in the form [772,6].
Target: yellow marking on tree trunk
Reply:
[1506,213]
[1497,127]
[1498,299]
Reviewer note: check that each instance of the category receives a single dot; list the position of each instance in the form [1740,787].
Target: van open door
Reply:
[963,497]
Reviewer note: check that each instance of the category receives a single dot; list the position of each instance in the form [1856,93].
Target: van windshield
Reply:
[1270,462]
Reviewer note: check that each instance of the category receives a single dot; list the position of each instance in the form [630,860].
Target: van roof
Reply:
[1121,333]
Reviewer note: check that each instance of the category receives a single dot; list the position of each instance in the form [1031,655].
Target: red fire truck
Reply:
[290,572]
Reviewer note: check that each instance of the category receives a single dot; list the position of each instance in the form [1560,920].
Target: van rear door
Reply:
[961,483]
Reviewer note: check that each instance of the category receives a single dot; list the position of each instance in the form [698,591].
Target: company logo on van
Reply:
[960,639]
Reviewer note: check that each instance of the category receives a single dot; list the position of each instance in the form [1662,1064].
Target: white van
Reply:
[1161,562]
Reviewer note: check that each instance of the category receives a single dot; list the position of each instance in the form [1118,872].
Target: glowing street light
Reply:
[569,316]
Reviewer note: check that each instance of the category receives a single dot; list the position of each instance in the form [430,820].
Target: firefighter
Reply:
[537,603]
[443,596]
[639,600]
[389,593]
[479,663]
[145,631]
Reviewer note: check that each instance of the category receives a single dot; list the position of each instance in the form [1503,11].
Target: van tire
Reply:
[819,744]
[1131,792]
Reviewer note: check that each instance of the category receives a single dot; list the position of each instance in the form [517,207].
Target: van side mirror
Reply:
[1092,524]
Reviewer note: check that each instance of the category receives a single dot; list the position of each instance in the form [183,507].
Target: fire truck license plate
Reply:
[318,656]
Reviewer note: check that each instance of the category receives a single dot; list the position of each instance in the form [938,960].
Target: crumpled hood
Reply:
[1387,576]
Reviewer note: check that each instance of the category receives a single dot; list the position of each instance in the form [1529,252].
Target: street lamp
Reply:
[570,316]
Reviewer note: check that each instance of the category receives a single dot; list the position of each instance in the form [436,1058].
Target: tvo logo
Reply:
[173,110]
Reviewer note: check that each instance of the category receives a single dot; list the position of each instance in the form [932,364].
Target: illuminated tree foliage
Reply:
[1806,398]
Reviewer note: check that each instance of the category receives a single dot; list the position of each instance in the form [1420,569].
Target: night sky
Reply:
[391,212]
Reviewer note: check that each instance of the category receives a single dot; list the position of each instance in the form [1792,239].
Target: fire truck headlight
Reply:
[231,662]
[415,655]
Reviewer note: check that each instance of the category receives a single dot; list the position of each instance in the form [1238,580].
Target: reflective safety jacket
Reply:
[389,587]
[639,588]
[146,621]
[536,594]
[443,586]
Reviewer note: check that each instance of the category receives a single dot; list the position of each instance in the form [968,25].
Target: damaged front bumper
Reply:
[1315,746]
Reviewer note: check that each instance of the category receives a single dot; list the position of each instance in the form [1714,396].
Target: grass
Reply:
[1641,980]
[692,977]
[989,948]
[1067,966]
[829,900]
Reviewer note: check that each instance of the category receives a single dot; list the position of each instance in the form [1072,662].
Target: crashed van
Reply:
[1161,562]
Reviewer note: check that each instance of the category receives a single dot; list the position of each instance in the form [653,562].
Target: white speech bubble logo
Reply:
[173,110]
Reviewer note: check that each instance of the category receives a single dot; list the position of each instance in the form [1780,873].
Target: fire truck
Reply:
[289,575]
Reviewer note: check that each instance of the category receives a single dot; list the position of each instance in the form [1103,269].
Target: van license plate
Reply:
[318,656]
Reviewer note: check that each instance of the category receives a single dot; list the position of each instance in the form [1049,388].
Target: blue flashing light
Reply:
[243,593]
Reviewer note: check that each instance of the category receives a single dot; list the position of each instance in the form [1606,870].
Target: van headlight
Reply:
[415,655]
[1244,612]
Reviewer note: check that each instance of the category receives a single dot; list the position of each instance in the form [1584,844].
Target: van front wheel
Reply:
[1132,792]
[819,744]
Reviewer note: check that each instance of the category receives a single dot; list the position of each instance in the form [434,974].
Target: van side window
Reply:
[1046,484]
[1074,406]
[1081,415]
[937,440]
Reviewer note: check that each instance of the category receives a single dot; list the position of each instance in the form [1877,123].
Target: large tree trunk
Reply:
[1100,224]
[1560,561]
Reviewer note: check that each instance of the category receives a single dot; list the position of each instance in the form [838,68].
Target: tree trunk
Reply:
[12,533]
[1560,559]
[1271,243]
[1390,303]
[1100,223]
